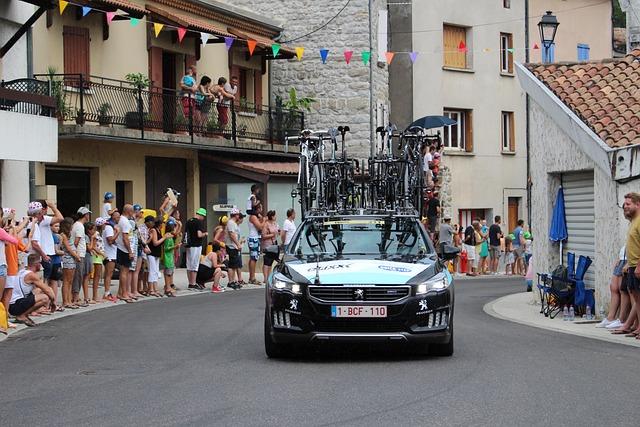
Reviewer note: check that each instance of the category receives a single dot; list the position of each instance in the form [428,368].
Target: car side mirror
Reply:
[449,252]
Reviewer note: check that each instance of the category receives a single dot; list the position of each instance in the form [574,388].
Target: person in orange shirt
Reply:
[7,263]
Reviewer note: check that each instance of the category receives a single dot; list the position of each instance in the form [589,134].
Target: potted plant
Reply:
[141,82]
[104,119]
[56,86]
[245,109]
[289,121]
[211,127]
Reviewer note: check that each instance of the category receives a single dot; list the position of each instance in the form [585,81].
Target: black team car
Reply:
[360,278]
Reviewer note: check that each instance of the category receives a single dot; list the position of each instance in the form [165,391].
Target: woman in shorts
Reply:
[69,258]
[620,300]
[270,231]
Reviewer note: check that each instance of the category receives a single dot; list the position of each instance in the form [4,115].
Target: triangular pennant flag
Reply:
[389,56]
[299,53]
[536,47]
[110,16]
[413,56]
[275,48]
[323,55]
[181,33]
[134,21]
[204,37]
[462,47]
[347,55]
[62,4]
[85,10]
[251,44]
[511,50]
[366,57]
[157,28]
[228,41]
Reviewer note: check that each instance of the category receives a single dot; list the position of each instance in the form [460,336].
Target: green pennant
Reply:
[366,57]
[511,50]
[275,48]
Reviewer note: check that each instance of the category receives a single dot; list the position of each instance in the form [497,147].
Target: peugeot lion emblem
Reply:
[358,294]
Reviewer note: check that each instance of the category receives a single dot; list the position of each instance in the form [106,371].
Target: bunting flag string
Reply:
[347,56]
[134,21]
[413,56]
[324,53]
[251,44]
[299,53]
[462,47]
[157,28]
[62,5]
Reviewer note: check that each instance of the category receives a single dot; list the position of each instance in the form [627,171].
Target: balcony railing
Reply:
[26,96]
[109,102]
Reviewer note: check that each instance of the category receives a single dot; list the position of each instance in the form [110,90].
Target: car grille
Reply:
[357,325]
[353,294]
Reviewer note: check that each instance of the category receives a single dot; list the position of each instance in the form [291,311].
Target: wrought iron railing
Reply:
[114,102]
[26,96]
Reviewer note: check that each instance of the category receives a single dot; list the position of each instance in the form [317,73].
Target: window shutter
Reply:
[257,85]
[235,71]
[76,51]
[452,36]
[512,133]
[468,131]
[156,106]
[509,54]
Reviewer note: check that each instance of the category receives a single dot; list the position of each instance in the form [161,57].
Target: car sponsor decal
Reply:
[359,272]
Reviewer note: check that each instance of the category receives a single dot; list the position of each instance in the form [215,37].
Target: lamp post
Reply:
[548,26]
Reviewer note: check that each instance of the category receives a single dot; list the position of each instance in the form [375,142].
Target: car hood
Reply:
[362,272]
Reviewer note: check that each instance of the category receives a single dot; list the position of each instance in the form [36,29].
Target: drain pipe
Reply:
[32,165]
[528,114]
[371,123]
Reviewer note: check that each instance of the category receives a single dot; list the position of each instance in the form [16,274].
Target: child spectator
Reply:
[109,235]
[509,257]
[168,258]
[107,207]
[98,256]
[56,262]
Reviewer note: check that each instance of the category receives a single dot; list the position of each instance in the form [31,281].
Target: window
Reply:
[508,132]
[453,38]
[506,4]
[76,51]
[548,53]
[459,136]
[506,56]
[583,52]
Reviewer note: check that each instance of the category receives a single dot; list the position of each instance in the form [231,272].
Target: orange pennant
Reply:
[389,56]
[251,44]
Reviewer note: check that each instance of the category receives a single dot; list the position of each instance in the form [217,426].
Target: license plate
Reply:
[358,311]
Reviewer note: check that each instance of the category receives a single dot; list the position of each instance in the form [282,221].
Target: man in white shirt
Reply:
[230,88]
[288,228]
[234,246]
[41,236]
[124,255]
[80,243]
[23,300]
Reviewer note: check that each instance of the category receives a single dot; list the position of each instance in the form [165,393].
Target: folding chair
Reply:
[583,296]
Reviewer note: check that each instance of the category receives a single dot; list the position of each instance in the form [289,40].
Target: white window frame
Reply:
[506,130]
[504,52]
[460,117]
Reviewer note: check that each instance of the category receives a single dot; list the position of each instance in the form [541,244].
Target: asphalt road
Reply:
[200,361]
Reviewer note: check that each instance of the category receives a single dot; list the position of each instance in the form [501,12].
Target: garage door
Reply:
[579,207]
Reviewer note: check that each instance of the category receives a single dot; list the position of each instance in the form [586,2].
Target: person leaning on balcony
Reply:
[226,93]
[189,88]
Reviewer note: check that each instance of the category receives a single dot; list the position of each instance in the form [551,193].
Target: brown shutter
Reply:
[156,77]
[509,54]
[257,85]
[512,133]
[452,36]
[468,131]
[76,51]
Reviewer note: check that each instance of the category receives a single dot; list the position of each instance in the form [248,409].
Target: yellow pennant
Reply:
[157,28]
[62,4]
[299,52]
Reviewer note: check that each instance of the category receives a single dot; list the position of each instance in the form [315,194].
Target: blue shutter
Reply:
[583,52]
[548,53]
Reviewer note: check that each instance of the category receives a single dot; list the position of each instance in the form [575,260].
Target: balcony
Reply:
[104,108]
[29,130]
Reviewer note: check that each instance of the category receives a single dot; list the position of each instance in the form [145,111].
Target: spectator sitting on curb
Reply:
[619,299]
[24,301]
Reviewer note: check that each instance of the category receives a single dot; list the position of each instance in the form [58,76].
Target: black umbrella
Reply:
[431,122]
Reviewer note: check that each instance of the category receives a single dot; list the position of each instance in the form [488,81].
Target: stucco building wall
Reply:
[553,153]
[341,90]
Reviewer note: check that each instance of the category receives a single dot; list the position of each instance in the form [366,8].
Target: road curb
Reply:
[493,308]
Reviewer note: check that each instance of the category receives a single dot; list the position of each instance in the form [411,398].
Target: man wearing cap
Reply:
[125,254]
[42,236]
[107,207]
[194,236]
[233,245]
[80,243]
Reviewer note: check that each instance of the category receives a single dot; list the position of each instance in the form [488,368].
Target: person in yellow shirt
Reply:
[631,209]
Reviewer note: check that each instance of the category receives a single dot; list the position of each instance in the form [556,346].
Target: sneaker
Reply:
[233,285]
[604,323]
[201,287]
[614,325]
[193,288]
[217,289]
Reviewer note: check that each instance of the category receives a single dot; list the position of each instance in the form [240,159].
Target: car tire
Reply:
[442,350]
[273,349]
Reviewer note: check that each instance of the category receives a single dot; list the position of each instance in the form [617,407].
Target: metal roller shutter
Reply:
[579,207]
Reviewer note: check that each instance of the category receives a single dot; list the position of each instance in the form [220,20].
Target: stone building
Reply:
[342,91]
[585,129]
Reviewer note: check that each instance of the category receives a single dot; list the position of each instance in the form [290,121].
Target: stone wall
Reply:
[341,90]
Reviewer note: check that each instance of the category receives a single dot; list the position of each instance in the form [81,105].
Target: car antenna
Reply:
[316,281]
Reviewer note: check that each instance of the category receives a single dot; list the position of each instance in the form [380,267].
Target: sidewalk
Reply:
[180,280]
[520,308]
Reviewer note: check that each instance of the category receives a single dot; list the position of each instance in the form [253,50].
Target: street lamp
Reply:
[548,26]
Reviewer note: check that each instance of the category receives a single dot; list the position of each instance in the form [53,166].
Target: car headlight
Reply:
[436,284]
[282,285]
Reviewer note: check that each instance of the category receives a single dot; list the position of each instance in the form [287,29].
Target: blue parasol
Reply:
[558,230]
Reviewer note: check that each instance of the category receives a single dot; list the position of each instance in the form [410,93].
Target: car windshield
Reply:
[387,238]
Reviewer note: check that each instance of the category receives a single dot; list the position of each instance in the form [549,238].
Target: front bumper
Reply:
[408,321]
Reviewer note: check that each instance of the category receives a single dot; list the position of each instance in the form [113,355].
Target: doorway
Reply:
[162,173]
[513,213]
[73,188]
[169,95]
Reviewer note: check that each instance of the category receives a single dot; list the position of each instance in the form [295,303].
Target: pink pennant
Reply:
[181,33]
[110,16]
[462,47]
[347,55]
